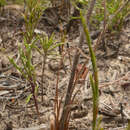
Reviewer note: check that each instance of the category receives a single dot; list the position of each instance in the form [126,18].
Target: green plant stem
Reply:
[95,103]
[94,83]
[88,39]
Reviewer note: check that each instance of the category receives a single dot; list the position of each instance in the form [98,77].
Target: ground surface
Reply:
[113,59]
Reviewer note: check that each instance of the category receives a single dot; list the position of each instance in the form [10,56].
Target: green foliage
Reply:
[31,16]
[2,3]
[111,6]
[22,1]
[98,127]
[47,44]
[28,98]
[27,69]
[128,127]
[35,10]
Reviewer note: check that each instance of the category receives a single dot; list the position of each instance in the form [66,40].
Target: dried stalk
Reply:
[92,4]
[66,112]
[42,78]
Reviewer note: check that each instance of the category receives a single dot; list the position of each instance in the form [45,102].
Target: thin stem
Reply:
[33,93]
[92,4]
[43,69]
[57,109]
